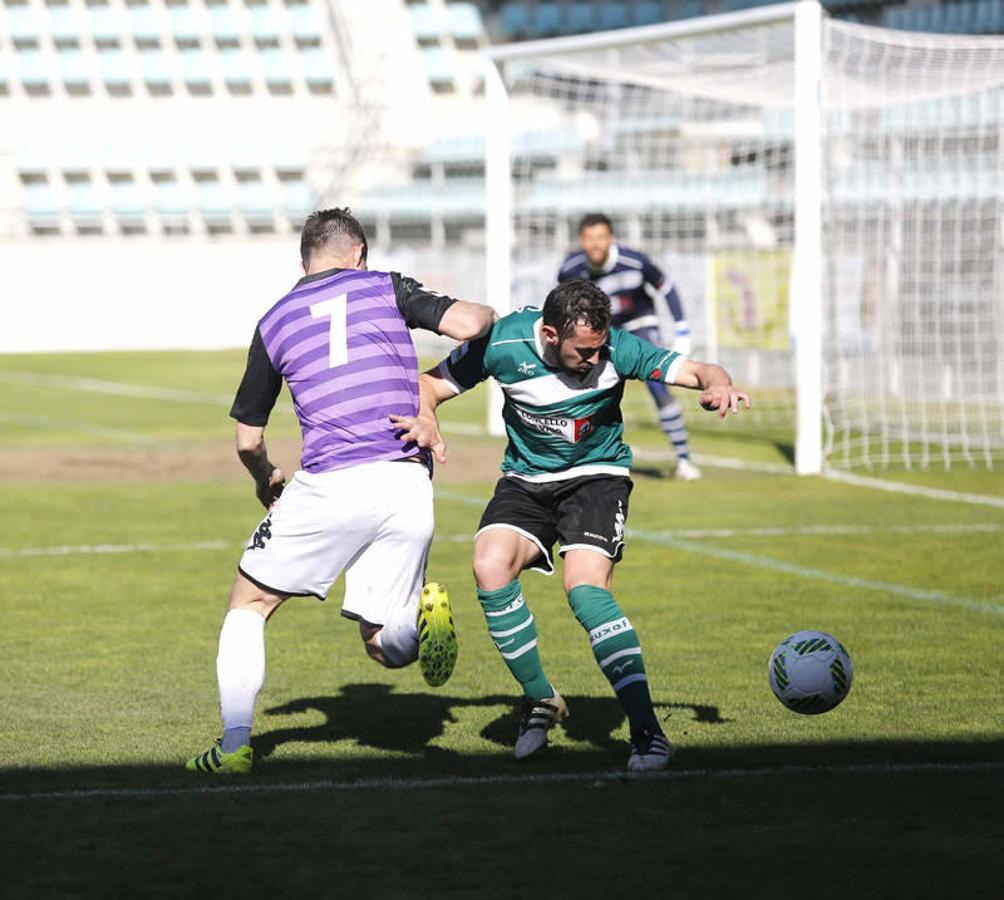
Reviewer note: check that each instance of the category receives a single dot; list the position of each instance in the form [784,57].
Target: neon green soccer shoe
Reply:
[215,762]
[437,637]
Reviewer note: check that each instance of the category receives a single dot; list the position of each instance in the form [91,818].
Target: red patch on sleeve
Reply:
[656,375]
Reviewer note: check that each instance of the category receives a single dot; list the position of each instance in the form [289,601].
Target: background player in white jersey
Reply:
[566,478]
[632,282]
[363,501]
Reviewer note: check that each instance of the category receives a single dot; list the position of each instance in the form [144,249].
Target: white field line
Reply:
[776,565]
[897,487]
[417,784]
[670,539]
[53,424]
[115,388]
[100,549]
[86,549]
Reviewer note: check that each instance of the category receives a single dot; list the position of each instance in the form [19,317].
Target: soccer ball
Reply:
[810,672]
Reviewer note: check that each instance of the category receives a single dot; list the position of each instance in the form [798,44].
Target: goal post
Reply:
[810,187]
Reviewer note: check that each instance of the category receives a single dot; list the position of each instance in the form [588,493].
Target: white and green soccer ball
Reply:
[810,672]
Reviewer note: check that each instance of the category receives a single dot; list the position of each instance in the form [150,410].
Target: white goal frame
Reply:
[807,261]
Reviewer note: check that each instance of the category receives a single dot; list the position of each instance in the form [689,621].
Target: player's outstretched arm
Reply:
[251,449]
[423,428]
[465,321]
[714,383]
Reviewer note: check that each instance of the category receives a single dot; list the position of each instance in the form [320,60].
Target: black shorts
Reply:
[580,513]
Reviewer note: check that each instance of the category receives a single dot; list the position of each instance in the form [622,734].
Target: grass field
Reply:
[125,514]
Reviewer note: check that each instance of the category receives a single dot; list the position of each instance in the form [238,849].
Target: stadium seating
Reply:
[74,70]
[318,69]
[238,72]
[33,70]
[276,69]
[144,25]
[438,65]
[23,26]
[224,25]
[306,25]
[41,206]
[266,26]
[186,25]
[156,69]
[465,21]
[85,205]
[425,22]
[195,70]
[105,25]
[64,26]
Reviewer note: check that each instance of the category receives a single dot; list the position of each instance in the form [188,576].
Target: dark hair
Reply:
[591,219]
[574,301]
[331,226]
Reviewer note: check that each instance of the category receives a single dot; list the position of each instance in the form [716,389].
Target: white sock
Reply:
[240,671]
[399,636]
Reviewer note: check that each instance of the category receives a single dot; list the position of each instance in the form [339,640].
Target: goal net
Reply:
[881,266]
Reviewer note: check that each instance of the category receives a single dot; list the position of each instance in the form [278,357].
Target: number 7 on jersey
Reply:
[338,341]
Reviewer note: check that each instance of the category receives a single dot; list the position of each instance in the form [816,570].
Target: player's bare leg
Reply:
[240,672]
[587,579]
[500,554]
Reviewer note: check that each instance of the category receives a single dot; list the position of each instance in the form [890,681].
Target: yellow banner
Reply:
[749,296]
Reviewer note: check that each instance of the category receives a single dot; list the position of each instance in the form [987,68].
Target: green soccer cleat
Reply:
[215,762]
[437,637]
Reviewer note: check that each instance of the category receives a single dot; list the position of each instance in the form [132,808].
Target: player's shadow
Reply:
[376,716]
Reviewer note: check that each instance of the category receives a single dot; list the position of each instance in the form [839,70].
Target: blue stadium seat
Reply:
[297,199]
[186,24]
[214,202]
[425,22]
[265,24]
[33,70]
[73,68]
[257,203]
[64,27]
[648,12]
[156,68]
[580,16]
[613,15]
[307,25]
[23,25]
[40,206]
[276,68]
[515,19]
[144,24]
[170,202]
[127,202]
[438,65]
[115,71]
[547,17]
[86,208]
[223,24]
[195,70]
[318,68]
[465,21]
[104,24]
[238,70]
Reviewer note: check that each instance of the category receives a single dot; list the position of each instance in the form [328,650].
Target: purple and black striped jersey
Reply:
[340,340]
[629,278]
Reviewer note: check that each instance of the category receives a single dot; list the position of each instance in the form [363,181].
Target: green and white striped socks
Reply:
[511,626]
[617,650]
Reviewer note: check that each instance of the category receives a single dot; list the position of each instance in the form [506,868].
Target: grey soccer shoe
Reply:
[537,718]
[650,751]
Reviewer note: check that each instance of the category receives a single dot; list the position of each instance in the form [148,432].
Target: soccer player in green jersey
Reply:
[566,479]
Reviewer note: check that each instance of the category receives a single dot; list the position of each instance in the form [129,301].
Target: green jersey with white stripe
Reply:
[560,424]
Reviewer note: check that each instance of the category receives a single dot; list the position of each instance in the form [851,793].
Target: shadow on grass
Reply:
[375,716]
[392,735]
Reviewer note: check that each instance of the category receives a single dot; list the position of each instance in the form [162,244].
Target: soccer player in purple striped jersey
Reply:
[362,502]
[632,281]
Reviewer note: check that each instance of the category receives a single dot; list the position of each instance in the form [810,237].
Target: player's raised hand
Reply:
[723,398]
[422,430]
[269,490]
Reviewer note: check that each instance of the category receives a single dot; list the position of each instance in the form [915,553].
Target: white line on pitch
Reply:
[400,784]
[53,424]
[84,549]
[99,549]
[776,565]
[899,487]
[116,388]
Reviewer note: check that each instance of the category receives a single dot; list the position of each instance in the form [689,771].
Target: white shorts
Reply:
[374,521]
